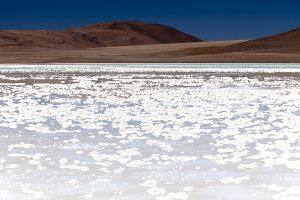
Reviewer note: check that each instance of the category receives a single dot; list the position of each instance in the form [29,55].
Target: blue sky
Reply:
[207,19]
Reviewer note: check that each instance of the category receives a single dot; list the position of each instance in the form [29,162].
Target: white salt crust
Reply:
[155,136]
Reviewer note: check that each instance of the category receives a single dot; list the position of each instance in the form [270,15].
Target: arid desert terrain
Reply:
[137,42]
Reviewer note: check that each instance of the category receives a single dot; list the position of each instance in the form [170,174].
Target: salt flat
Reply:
[188,131]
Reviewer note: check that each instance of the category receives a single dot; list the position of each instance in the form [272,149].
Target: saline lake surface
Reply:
[150,132]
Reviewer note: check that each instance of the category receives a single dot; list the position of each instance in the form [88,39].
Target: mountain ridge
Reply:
[108,34]
[285,42]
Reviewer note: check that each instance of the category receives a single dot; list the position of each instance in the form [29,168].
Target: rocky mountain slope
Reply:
[99,35]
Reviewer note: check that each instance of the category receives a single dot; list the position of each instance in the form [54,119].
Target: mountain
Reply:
[283,43]
[110,34]
[288,42]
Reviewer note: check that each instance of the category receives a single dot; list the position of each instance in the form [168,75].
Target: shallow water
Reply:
[150,132]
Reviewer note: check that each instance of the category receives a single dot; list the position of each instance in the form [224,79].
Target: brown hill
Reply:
[287,42]
[98,35]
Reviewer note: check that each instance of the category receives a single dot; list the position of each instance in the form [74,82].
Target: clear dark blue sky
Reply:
[208,19]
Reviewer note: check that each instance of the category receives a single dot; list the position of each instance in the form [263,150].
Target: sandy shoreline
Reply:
[158,53]
[161,53]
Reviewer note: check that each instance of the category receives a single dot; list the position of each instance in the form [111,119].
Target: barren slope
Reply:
[99,35]
[283,43]
[287,42]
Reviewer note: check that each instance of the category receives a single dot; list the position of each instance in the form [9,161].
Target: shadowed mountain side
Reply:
[287,42]
[98,35]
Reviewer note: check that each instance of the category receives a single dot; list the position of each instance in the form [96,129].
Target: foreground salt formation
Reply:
[149,134]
